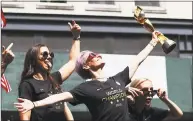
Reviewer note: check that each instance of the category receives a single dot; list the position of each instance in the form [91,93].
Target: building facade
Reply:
[107,22]
[107,26]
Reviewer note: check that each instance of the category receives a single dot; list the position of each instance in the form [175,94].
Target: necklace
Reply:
[102,79]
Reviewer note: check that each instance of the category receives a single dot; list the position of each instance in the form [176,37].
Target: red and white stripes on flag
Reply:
[5,84]
[3,20]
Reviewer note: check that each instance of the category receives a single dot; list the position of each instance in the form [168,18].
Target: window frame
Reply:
[185,53]
[54,6]
[148,1]
[154,9]
[12,5]
[101,1]
[103,7]
[52,1]
[185,46]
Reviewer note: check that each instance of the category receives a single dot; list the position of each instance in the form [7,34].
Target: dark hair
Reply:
[30,64]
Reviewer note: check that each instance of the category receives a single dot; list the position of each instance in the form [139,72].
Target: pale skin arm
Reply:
[67,69]
[25,116]
[25,105]
[68,113]
[174,111]
[65,96]
[142,55]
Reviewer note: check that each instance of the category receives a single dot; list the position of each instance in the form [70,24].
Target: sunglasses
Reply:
[150,92]
[91,56]
[45,54]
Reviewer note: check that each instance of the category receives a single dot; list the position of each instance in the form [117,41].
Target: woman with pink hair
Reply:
[105,97]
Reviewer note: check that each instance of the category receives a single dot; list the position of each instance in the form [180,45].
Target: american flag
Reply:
[5,84]
[3,20]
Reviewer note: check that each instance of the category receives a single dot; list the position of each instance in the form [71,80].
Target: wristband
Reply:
[34,104]
[76,38]
[152,43]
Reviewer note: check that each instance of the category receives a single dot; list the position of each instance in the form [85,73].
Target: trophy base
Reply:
[167,48]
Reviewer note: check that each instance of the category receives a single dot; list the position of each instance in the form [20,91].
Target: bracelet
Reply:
[152,43]
[34,104]
[76,38]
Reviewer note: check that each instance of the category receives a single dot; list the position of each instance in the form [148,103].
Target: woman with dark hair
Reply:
[37,81]
[104,97]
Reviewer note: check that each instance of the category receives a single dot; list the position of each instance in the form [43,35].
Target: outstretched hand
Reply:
[24,105]
[75,29]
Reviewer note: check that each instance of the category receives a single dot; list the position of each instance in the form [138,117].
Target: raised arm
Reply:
[67,69]
[7,57]
[25,105]
[174,111]
[143,55]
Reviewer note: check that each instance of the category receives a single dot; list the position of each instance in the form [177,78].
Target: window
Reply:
[108,2]
[10,0]
[152,6]
[147,3]
[189,56]
[185,47]
[54,5]
[103,6]
[54,1]
[181,45]
[12,4]
[189,45]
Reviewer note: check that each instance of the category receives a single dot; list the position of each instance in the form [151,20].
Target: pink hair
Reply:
[81,60]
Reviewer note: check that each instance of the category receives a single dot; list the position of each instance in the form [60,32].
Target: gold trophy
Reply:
[167,44]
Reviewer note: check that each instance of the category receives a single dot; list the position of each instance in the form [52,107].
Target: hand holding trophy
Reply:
[167,44]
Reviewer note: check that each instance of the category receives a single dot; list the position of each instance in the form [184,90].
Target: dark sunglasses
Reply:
[150,92]
[91,56]
[45,55]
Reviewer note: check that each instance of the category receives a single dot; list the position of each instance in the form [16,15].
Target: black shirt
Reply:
[152,114]
[35,90]
[106,101]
